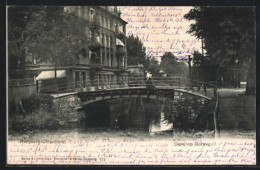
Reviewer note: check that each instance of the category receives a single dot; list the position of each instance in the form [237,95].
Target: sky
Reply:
[161,29]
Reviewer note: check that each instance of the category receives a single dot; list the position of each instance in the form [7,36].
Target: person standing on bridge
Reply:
[149,83]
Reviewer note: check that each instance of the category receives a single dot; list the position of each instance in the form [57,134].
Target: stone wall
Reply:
[68,109]
[16,93]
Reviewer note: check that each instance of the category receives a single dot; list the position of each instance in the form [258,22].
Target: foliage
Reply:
[171,67]
[52,37]
[154,67]
[18,17]
[229,36]
[36,101]
[210,68]
[197,57]
[188,113]
[137,73]
[41,119]
[135,51]
[120,52]
[49,115]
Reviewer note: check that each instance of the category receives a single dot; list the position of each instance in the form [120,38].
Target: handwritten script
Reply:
[106,151]
[161,29]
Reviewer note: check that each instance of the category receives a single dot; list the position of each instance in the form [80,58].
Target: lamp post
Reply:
[202,60]
[189,62]
[236,61]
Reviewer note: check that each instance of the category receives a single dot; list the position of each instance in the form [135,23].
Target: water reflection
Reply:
[131,113]
[162,126]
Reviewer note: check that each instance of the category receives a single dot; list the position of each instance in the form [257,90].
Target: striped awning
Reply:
[45,75]
[119,42]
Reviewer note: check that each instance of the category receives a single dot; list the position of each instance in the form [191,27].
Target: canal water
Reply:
[131,113]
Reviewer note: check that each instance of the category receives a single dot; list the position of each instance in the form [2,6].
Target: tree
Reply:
[18,17]
[45,31]
[171,67]
[154,67]
[204,68]
[188,114]
[229,36]
[54,36]
[135,51]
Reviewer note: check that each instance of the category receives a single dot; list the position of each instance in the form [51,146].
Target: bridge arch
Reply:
[148,93]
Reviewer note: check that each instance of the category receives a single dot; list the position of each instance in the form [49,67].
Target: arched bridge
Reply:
[134,92]
[153,88]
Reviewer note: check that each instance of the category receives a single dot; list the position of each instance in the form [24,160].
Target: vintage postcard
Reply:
[131,85]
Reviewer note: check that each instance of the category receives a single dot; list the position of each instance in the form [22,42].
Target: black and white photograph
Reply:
[131,85]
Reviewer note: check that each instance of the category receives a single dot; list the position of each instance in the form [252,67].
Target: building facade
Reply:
[103,62]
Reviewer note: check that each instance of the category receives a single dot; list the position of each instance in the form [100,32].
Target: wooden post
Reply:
[37,86]
[216,122]
[55,77]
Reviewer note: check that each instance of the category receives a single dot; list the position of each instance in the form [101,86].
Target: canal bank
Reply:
[237,110]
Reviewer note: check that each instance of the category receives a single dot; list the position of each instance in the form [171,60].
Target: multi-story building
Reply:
[103,62]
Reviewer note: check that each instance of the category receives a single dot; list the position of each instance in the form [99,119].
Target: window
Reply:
[92,11]
[89,54]
[90,34]
[91,14]
[109,24]
[84,78]
[105,41]
[111,42]
[107,57]
[108,42]
[124,29]
[116,27]
[102,39]
[102,21]
[112,57]
[106,20]
[103,55]
[111,8]
[78,11]
[120,28]
[98,37]
[97,16]
[76,77]
[65,9]
[82,11]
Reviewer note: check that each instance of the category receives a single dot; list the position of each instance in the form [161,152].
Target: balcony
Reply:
[120,51]
[95,46]
[94,24]
[120,35]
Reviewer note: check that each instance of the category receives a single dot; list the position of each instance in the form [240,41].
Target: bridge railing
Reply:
[76,86]
[193,86]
